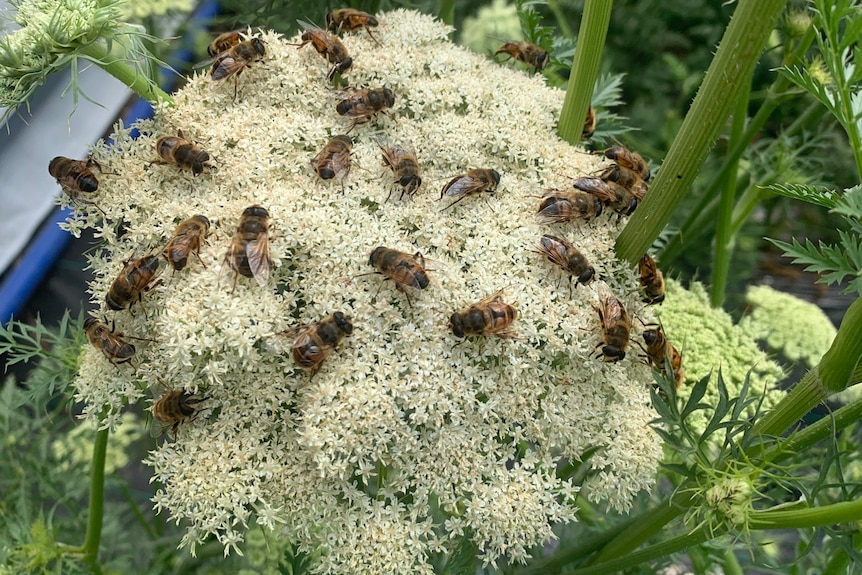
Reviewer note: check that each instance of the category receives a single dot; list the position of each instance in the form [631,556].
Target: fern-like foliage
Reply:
[817,195]
[835,262]
[57,351]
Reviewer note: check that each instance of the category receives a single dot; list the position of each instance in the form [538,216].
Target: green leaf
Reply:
[850,204]
[679,469]
[721,409]
[817,195]
[803,79]
[697,393]
[833,262]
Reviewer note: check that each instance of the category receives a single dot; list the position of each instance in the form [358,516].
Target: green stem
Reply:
[801,399]
[447,11]
[643,527]
[646,554]
[731,564]
[844,512]
[812,434]
[732,65]
[569,554]
[560,18]
[724,238]
[98,53]
[697,223]
[840,362]
[585,69]
[97,501]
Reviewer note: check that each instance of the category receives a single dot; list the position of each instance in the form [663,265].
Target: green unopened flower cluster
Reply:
[729,501]
[54,34]
[709,341]
[76,447]
[137,10]
[799,329]
[493,24]
[407,440]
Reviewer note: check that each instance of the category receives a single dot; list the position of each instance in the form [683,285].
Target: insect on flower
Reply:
[527,53]
[187,239]
[488,317]
[558,206]
[351,19]
[232,62]
[180,152]
[174,408]
[327,45]
[404,167]
[403,269]
[658,349]
[474,181]
[628,159]
[560,252]
[76,177]
[362,105]
[651,279]
[334,160]
[137,278]
[620,199]
[316,340]
[615,328]
[248,254]
[108,341]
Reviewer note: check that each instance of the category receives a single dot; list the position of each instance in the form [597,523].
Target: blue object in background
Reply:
[31,267]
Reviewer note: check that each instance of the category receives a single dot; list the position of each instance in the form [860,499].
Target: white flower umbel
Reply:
[404,441]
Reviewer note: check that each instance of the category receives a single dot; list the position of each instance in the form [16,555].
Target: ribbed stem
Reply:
[97,502]
[585,69]
[724,237]
[98,53]
[844,512]
[732,65]
[839,363]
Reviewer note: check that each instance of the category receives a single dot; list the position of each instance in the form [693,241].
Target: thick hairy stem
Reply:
[733,64]
[143,86]
[585,69]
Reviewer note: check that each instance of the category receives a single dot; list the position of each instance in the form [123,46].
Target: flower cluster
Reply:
[799,329]
[407,439]
[709,341]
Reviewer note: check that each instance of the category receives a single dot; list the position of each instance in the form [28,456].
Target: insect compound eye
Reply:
[455,325]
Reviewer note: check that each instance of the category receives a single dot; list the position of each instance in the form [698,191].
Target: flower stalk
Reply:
[733,64]
[116,66]
[840,362]
[585,69]
[97,501]
[724,237]
[843,512]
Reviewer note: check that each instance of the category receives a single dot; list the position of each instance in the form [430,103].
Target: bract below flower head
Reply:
[403,440]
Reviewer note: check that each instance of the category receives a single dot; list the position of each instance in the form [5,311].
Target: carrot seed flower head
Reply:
[403,441]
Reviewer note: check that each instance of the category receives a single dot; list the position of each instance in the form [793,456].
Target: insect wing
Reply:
[462,185]
[612,311]
[556,250]
[259,262]
[225,67]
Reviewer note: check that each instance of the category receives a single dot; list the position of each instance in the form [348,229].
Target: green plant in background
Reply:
[796,328]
